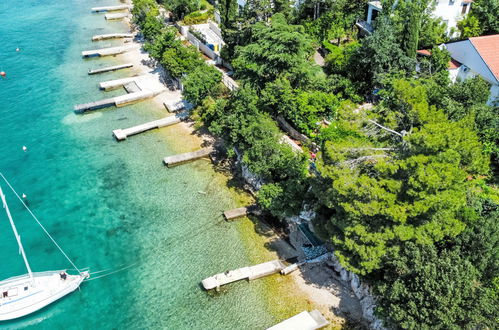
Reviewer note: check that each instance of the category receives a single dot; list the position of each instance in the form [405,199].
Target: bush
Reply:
[203,81]
[197,17]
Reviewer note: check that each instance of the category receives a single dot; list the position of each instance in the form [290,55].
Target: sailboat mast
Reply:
[18,238]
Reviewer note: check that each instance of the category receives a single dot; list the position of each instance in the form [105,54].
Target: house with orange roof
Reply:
[476,56]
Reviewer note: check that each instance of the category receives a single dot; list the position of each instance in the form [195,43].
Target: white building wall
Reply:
[465,52]
[451,12]
[494,96]
[453,74]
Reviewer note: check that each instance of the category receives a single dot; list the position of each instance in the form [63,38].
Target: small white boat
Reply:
[25,294]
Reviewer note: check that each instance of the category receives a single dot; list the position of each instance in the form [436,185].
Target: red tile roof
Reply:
[453,64]
[424,52]
[488,48]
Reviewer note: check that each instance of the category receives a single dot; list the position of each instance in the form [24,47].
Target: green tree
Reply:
[203,81]
[468,99]
[385,191]
[487,12]
[469,27]
[143,8]
[433,32]
[338,58]
[278,48]
[180,8]
[161,43]
[330,19]
[379,53]
[425,289]
[179,59]
[407,17]
[234,116]
[303,108]
[151,27]
[479,242]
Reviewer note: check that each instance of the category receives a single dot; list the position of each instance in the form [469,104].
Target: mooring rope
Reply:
[111,273]
[39,223]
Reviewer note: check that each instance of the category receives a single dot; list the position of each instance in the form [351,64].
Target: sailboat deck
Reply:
[20,296]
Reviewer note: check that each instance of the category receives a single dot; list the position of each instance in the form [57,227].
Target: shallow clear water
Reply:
[109,204]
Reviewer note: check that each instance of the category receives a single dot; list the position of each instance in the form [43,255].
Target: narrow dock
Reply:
[111,36]
[304,321]
[122,100]
[81,108]
[186,157]
[118,101]
[122,134]
[132,87]
[117,83]
[239,212]
[250,273]
[177,106]
[110,68]
[110,8]
[105,51]
[115,16]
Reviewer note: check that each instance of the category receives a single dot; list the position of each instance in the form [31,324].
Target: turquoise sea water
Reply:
[108,204]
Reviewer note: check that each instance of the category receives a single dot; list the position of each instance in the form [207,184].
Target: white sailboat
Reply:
[25,294]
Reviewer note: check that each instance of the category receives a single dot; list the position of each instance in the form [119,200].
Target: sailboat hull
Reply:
[20,296]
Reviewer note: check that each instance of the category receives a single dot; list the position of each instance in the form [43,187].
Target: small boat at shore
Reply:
[28,293]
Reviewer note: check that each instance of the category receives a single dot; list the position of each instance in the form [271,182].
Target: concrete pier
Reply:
[115,16]
[110,68]
[177,106]
[239,212]
[132,87]
[133,84]
[81,108]
[117,83]
[250,273]
[111,36]
[187,157]
[304,321]
[110,8]
[105,51]
[122,134]
[122,100]
[118,101]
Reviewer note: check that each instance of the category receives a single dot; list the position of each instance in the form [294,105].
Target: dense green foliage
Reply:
[487,13]
[414,192]
[201,82]
[469,27]
[180,8]
[403,189]
[279,49]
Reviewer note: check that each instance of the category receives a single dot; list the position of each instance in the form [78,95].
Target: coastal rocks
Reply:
[368,307]
[337,266]
[344,275]
[314,251]
[254,181]
[377,325]
[362,292]
[307,215]
[355,283]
